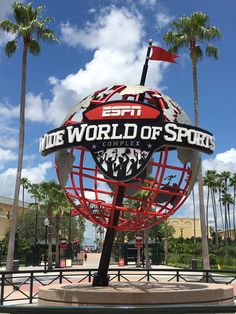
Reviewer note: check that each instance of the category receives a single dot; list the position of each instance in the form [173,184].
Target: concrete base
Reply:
[125,293]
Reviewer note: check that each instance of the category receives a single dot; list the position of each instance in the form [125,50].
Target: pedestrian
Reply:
[85,257]
[143,260]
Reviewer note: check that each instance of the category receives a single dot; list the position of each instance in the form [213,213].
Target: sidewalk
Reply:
[92,262]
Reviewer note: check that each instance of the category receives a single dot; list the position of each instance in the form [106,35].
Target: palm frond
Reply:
[8,26]
[11,47]
[209,33]
[212,51]
[199,18]
[34,47]
[196,53]
[173,49]
[176,41]
[47,35]
[19,13]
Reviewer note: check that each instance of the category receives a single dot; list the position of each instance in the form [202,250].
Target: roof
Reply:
[9,201]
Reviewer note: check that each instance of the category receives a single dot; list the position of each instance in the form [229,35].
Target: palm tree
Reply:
[54,201]
[227,200]
[167,230]
[29,26]
[232,183]
[24,182]
[225,176]
[210,180]
[190,32]
[220,188]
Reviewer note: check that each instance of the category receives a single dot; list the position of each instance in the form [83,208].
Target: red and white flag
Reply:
[162,55]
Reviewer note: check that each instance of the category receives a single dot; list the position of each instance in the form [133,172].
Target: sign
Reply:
[122,136]
[138,240]
[63,244]
[121,262]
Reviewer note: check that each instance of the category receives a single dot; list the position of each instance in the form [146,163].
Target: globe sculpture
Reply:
[127,158]
[158,189]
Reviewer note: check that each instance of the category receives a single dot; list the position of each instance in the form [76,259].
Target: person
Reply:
[143,260]
[85,257]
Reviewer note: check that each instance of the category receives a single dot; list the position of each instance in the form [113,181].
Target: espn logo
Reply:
[121,111]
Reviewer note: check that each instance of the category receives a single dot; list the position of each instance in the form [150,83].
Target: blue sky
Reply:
[103,43]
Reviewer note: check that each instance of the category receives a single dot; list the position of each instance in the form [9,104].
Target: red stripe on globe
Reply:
[129,153]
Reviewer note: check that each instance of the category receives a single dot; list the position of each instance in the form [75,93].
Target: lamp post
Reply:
[35,251]
[69,238]
[59,249]
[46,224]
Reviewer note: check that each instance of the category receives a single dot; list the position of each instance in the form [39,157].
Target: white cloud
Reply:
[37,174]
[116,36]
[113,28]
[6,155]
[225,161]
[8,131]
[35,108]
[8,111]
[34,174]
[163,19]
[8,135]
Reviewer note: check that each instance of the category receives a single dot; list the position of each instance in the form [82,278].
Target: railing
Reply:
[22,286]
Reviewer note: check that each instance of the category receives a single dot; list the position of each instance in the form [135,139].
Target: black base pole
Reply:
[101,278]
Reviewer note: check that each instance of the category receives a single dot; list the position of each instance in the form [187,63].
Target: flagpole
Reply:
[145,66]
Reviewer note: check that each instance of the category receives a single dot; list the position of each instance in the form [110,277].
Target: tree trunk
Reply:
[234,213]
[50,238]
[215,215]
[205,249]
[226,226]
[194,218]
[14,214]
[229,219]
[207,210]
[221,212]
[166,249]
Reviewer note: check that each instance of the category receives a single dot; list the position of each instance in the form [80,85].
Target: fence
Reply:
[22,286]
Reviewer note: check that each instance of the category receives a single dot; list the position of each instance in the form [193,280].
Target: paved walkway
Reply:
[91,262]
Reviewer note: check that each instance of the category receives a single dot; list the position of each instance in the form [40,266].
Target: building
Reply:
[184,227]
[231,234]
[5,213]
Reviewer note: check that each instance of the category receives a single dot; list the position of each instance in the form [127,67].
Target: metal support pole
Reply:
[145,66]
[101,278]
[35,251]
[46,244]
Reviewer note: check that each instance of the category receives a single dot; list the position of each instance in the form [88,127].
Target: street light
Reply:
[59,251]
[46,224]
[69,250]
